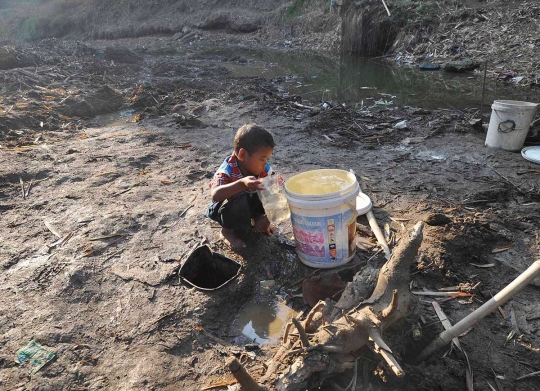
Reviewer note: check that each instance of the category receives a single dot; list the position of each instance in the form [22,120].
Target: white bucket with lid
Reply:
[509,124]
[323,216]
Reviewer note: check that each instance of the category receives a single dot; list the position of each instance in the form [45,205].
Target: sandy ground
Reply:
[127,202]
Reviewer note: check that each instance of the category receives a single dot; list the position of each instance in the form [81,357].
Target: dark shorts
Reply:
[236,212]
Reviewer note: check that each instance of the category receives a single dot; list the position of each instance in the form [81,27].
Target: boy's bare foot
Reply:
[263,225]
[229,237]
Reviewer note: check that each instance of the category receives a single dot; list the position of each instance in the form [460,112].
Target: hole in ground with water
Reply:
[262,321]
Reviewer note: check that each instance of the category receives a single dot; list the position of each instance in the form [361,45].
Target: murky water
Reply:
[363,81]
[261,322]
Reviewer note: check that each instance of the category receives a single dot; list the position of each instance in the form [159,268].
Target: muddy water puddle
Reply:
[361,81]
[261,322]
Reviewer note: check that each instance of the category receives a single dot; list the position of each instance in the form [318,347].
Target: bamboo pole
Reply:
[378,234]
[495,302]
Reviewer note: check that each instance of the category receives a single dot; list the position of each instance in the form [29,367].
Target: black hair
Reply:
[252,137]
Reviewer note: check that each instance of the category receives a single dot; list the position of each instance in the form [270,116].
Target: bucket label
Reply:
[325,239]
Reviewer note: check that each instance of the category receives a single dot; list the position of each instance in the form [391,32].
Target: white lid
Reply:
[531,154]
[363,203]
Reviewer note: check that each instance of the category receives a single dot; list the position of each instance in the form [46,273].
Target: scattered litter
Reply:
[36,354]
[517,79]
[401,125]
[483,266]
[506,75]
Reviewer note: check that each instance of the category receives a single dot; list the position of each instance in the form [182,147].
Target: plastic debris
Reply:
[36,354]
[401,125]
[384,102]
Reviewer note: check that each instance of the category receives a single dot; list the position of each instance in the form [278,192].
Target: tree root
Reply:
[331,345]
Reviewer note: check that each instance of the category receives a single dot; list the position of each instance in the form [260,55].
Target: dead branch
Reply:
[302,332]
[332,344]
[243,377]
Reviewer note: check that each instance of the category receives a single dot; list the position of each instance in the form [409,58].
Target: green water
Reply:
[363,81]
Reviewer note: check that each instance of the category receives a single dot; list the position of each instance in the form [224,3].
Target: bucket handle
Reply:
[355,213]
[507,126]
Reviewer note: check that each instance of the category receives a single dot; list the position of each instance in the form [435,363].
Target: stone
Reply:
[461,66]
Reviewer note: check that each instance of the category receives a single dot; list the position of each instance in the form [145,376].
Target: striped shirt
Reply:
[229,172]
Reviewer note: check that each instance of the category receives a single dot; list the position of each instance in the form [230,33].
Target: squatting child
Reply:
[235,203]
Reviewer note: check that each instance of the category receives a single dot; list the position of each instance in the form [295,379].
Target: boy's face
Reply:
[255,162]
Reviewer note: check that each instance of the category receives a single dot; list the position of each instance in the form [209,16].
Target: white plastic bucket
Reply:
[324,225]
[509,124]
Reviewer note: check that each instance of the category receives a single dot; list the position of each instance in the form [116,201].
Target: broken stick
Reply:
[243,377]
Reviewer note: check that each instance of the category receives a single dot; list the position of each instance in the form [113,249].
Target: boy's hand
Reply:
[252,183]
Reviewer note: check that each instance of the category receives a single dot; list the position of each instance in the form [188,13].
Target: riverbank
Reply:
[99,212]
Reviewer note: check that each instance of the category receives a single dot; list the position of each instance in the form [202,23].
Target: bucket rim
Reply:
[322,197]
[515,104]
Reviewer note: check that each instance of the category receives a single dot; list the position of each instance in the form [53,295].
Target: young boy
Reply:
[235,203]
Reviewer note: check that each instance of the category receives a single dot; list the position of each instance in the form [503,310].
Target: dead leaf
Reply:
[21,105]
[65,118]
[166,182]
[83,137]
[445,322]
[502,248]
[510,336]
[137,118]
[47,107]
[144,131]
